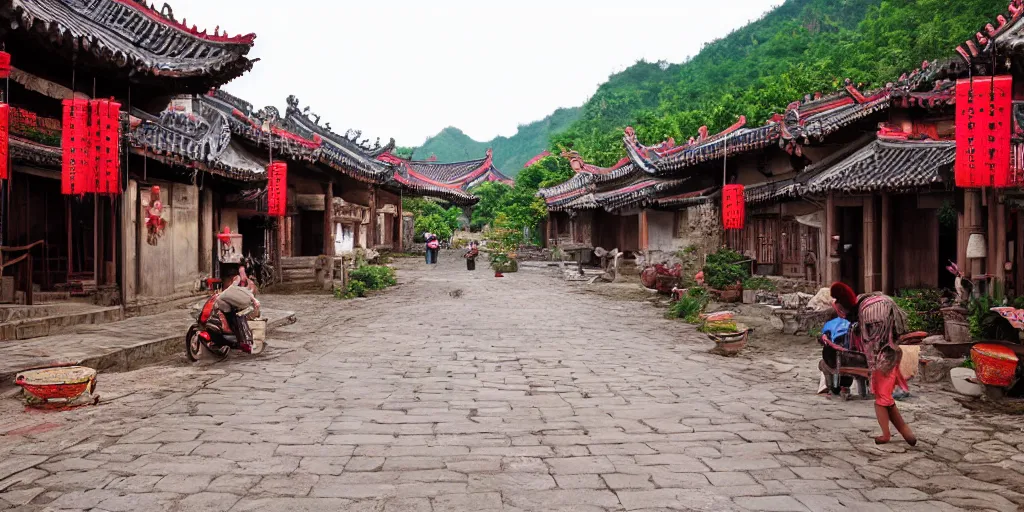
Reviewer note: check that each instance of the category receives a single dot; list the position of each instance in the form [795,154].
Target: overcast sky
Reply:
[407,69]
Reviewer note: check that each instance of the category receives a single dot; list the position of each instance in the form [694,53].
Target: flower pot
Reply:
[729,344]
[957,328]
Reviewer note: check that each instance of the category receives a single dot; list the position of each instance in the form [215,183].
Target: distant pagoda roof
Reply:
[263,128]
[461,175]
[143,44]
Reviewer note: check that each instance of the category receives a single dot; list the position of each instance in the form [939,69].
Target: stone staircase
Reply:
[27,322]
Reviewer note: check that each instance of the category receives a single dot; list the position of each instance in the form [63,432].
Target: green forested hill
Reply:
[510,153]
[801,47]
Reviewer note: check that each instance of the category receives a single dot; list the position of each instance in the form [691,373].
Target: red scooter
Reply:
[223,324]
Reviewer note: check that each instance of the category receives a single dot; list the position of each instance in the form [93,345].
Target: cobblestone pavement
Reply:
[459,391]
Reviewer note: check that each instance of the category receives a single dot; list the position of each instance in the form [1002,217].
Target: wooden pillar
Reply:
[372,229]
[400,242]
[886,244]
[871,250]
[1018,255]
[644,240]
[329,219]
[831,259]
[970,223]
[129,238]
[547,231]
[997,258]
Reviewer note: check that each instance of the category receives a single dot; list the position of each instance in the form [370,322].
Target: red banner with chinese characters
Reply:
[78,174]
[733,207]
[984,109]
[5,140]
[105,129]
[277,189]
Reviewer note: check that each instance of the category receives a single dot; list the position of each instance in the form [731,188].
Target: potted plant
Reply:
[754,284]
[724,272]
[729,337]
[503,243]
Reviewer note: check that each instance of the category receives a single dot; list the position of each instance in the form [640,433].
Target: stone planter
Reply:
[957,328]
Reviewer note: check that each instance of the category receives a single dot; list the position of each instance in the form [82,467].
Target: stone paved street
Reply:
[459,391]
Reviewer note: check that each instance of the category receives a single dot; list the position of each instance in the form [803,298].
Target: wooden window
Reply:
[681,226]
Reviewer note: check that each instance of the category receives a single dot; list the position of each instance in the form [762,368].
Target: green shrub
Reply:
[373,277]
[759,283]
[723,269]
[723,327]
[690,306]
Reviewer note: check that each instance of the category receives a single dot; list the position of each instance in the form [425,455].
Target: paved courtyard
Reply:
[459,391]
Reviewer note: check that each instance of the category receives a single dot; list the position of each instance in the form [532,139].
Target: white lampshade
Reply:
[976,246]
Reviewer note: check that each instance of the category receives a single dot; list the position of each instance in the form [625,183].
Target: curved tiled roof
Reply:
[339,152]
[200,140]
[890,165]
[247,124]
[127,35]
[463,175]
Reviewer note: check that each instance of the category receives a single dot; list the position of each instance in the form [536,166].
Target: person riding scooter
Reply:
[227,313]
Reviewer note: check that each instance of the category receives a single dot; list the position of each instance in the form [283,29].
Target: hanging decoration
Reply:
[91,146]
[105,128]
[78,174]
[984,109]
[5,65]
[733,207]
[5,140]
[155,223]
[277,189]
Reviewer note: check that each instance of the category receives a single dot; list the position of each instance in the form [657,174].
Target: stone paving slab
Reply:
[457,391]
[116,346]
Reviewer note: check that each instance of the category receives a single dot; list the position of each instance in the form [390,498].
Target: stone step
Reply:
[118,346]
[38,327]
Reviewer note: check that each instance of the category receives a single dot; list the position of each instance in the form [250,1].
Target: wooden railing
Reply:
[24,271]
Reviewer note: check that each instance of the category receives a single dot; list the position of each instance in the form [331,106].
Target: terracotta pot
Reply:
[729,344]
[728,295]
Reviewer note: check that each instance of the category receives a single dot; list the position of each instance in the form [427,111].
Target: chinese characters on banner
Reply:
[984,107]
[277,189]
[90,143]
[105,130]
[733,207]
[5,132]
[78,174]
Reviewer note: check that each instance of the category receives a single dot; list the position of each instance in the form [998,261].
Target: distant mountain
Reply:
[510,153]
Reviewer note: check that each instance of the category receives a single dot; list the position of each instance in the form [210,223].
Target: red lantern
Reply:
[78,175]
[5,138]
[733,207]
[105,129]
[277,189]
[5,65]
[984,109]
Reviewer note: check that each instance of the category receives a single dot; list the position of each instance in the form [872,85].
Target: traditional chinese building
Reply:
[95,244]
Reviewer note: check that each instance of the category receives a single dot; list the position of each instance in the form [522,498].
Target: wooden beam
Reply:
[886,244]
[870,249]
[831,259]
[371,231]
[998,266]
[644,241]
[328,204]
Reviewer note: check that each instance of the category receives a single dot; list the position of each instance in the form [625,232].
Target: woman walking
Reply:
[432,247]
[471,254]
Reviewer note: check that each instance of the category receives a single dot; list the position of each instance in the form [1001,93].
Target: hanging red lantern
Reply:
[984,109]
[78,175]
[105,129]
[733,207]
[277,189]
[5,65]
[5,139]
